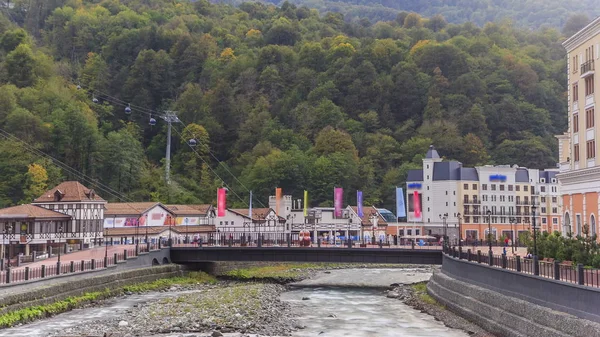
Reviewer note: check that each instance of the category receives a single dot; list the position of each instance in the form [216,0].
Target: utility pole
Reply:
[170,118]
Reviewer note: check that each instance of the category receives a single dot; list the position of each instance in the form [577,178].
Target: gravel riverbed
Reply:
[248,308]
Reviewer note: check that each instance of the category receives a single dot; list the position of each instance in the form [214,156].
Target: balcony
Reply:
[472,202]
[587,68]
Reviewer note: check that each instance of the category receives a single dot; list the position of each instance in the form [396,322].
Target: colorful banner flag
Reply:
[305,203]
[400,206]
[359,203]
[278,193]
[417,204]
[338,194]
[221,202]
[250,207]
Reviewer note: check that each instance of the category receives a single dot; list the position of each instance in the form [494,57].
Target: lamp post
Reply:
[489,236]
[137,237]
[146,226]
[7,231]
[170,234]
[459,217]
[512,233]
[443,217]
[533,209]
[60,230]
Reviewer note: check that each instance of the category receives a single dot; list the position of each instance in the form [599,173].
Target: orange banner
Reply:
[278,193]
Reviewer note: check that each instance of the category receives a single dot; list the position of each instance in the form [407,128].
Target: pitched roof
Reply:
[415,175]
[447,170]
[367,213]
[129,208]
[31,211]
[522,175]
[68,191]
[256,212]
[432,153]
[189,209]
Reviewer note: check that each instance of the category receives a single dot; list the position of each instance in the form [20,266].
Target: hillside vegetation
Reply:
[281,96]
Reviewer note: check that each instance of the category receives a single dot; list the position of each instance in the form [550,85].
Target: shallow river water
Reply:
[361,313]
[351,312]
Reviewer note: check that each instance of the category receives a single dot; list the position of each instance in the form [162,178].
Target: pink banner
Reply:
[221,202]
[338,194]
[417,204]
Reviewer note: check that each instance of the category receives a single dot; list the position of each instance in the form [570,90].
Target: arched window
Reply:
[592,225]
[566,224]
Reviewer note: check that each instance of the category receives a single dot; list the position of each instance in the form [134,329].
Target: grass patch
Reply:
[42,311]
[420,289]
[291,270]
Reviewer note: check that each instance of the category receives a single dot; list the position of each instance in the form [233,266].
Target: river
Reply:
[337,311]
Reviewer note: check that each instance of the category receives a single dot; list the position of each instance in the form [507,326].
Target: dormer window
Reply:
[58,195]
[91,194]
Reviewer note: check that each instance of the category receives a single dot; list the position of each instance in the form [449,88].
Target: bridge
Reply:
[190,255]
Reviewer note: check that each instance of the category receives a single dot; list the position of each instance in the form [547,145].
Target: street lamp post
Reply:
[489,238]
[533,209]
[7,231]
[60,230]
[146,227]
[459,217]
[443,217]
[512,233]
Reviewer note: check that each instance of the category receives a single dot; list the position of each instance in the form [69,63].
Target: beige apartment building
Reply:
[579,164]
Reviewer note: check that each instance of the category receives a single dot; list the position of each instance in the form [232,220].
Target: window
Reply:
[446,192]
[575,63]
[484,197]
[576,152]
[544,221]
[484,187]
[555,221]
[543,189]
[543,199]
[475,219]
[427,177]
[543,209]
[510,188]
[554,210]
[589,118]
[220,223]
[554,199]
[501,187]
[417,232]
[466,186]
[575,92]
[575,124]
[453,192]
[525,188]
[446,203]
[589,85]
[517,188]
[466,199]
[475,199]
[401,232]
[474,187]
[590,149]
[467,219]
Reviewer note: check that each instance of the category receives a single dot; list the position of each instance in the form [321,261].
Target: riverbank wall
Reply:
[112,282]
[497,305]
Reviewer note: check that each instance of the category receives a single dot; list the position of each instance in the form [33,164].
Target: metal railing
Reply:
[25,274]
[551,269]
[587,66]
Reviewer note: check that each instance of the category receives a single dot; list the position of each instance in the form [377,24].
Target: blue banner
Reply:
[359,202]
[400,206]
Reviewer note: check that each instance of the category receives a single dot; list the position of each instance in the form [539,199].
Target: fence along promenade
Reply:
[26,274]
[565,272]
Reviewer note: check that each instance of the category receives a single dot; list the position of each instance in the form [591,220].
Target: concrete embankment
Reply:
[56,292]
[505,315]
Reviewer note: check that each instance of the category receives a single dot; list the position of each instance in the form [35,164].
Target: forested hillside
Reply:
[532,14]
[283,97]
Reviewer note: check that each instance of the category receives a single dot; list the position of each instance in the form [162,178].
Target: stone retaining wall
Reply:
[505,315]
[222,267]
[61,291]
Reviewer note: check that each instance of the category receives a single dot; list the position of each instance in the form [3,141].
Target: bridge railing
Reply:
[268,239]
[552,269]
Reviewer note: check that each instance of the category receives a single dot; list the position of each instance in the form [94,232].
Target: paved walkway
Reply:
[88,254]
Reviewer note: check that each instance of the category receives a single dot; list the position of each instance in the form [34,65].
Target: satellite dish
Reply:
[152,121]
[128,109]
[192,142]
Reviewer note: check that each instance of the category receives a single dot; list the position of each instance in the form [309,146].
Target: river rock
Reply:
[123,323]
[217,334]
[305,298]
[392,294]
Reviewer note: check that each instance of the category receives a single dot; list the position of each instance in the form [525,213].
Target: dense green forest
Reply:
[533,14]
[276,97]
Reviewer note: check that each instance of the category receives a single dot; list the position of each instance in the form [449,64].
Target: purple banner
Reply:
[338,193]
[359,201]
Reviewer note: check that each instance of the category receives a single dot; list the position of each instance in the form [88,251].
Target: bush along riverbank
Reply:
[415,296]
